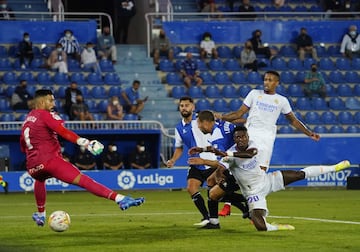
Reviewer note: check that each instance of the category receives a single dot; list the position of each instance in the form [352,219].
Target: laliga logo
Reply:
[126,180]
[26,182]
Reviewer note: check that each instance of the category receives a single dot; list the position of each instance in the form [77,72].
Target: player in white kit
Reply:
[242,160]
[264,108]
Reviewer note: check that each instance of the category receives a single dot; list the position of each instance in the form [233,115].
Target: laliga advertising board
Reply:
[152,179]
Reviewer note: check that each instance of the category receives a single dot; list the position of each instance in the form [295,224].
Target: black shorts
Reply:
[198,174]
[229,185]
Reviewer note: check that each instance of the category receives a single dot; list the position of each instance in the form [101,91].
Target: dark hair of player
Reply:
[273,73]
[206,115]
[43,92]
[187,98]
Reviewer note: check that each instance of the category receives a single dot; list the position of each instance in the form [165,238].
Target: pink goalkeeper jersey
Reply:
[38,138]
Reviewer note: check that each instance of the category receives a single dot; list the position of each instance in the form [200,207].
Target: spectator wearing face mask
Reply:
[314,83]
[350,45]
[140,158]
[112,159]
[70,97]
[80,110]
[21,98]
[70,45]
[162,48]
[114,110]
[84,160]
[261,48]
[88,58]
[106,45]
[58,60]
[26,50]
[6,13]
[208,47]
[248,57]
[304,45]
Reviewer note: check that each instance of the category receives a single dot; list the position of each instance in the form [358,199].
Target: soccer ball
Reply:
[59,221]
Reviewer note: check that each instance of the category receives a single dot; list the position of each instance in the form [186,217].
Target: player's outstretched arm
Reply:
[294,121]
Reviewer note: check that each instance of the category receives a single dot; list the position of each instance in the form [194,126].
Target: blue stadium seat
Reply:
[177,50]
[232,65]
[207,78]
[220,105]
[237,51]
[192,49]
[286,129]
[13,51]
[3,52]
[79,78]
[320,129]
[102,106]
[115,91]
[203,104]
[38,64]
[212,91]
[99,92]
[295,90]
[5,105]
[224,51]
[357,90]
[7,117]
[295,64]
[304,103]
[112,79]
[37,52]
[336,77]
[95,79]
[355,64]
[61,79]
[9,90]
[300,77]
[174,79]
[10,78]
[5,64]
[335,103]
[336,129]
[357,117]
[45,52]
[178,91]
[345,117]
[326,64]
[345,90]
[58,106]
[329,117]
[222,78]
[92,105]
[21,117]
[106,65]
[308,62]
[229,91]
[201,64]
[60,92]
[334,51]
[216,65]
[330,90]
[281,89]
[254,78]
[287,77]
[312,117]
[44,78]
[98,116]
[131,117]
[85,91]
[28,76]
[353,129]
[352,103]
[195,92]
[319,103]
[244,90]
[17,65]
[288,51]
[352,77]
[238,78]
[321,51]
[166,65]
[279,64]
[235,104]
[343,64]
[74,65]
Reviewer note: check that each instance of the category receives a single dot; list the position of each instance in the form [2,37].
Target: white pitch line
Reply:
[192,213]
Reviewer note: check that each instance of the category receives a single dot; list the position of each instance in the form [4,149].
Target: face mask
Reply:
[207,39]
[3,6]
[353,33]
[89,49]
[62,149]
[27,39]
[59,49]
[82,149]
[313,69]
[24,86]
[115,103]
[249,47]
[142,148]
[113,148]
[68,35]
[162,35]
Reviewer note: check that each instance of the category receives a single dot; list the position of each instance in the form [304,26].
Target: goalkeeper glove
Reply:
[93,146]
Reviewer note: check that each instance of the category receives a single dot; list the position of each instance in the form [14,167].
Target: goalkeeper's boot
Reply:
[128,202]
[284,226]
[342,165]
[225,211]
[40,220]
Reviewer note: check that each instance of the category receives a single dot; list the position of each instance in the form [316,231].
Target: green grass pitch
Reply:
[326,219]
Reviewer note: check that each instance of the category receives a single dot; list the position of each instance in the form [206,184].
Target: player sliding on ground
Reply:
[255,183]
[39,141]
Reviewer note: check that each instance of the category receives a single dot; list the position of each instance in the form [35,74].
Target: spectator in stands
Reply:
[125,11]
[84,160]
[261,48]
[279,3]
[112,159]
[70,45]
[58,59]
[246,7]
[71,93]
[106,45]
[88,58]
[114,110]
[314,83]
[6,13]
[80,110]
[207,47]
[189,71]
[21,98]
[162,48]
[56,7]
[305,45]
[208,6]
[140,158]
[26,50]
[350,45]
[131,99]
[248,57]
[230,3]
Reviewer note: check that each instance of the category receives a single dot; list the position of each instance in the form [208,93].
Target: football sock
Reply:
[237,200]
[40,195]
[213,206]
[119,198]
[200,204]
[96,188]
[316,170]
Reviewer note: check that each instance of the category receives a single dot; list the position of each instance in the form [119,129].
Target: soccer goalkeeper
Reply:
[44,160]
